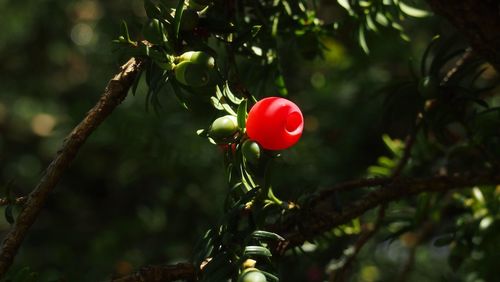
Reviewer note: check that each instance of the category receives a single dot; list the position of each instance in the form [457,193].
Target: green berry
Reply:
[253,275]
[198,57]
[192,74]
[252,151]
[223,128]
[152,32]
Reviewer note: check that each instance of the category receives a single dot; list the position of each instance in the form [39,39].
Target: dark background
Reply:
[144,187]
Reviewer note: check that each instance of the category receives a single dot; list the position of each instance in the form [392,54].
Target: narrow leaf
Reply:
[257,251]
[412,11]
[242,114]
[261,234]
[178,17]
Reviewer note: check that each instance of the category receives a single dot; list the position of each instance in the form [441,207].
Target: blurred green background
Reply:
[144,187]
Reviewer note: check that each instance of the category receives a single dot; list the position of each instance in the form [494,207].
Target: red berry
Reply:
[275,123]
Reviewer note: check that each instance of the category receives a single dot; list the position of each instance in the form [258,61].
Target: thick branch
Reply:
[478,21]
[115,92]
[161,273]
[312,223]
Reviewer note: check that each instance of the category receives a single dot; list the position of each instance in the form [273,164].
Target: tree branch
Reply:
[349,185]
[113,95]
[342,273]
[308,224]
[161,273]
[478,21]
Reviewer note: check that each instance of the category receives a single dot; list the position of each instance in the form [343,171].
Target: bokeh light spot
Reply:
[43,124]
[82,34]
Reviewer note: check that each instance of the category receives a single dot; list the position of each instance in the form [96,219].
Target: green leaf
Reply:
[345,5]
[412,11]
[183,100]
[226,91]
[370,24]
[280,83]
[177,18]
[381,19]
[386,162]
[125,33]
[152,11]
[425,56]
[379,171]
[261,234]
[362,39]
[242,114]
[395,145]
[215,102]
[269,276]
[257,251]
[255,30]
[220,101]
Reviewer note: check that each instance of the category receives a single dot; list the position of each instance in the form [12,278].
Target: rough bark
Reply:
[478,21]
[309,224]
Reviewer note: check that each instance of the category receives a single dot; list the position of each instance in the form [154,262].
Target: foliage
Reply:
[217,59]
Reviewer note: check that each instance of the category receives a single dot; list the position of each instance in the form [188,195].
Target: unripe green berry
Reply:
[152,31]
[252,275]
[191,74]
[428,87]
[252,151]
[223,128]
[198,57]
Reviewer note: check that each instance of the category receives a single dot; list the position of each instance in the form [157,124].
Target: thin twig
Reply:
[420,237]
[342,273]
[350,185]
[113,95]
[16,201]
[410,141]
[458,64]
[161,273]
